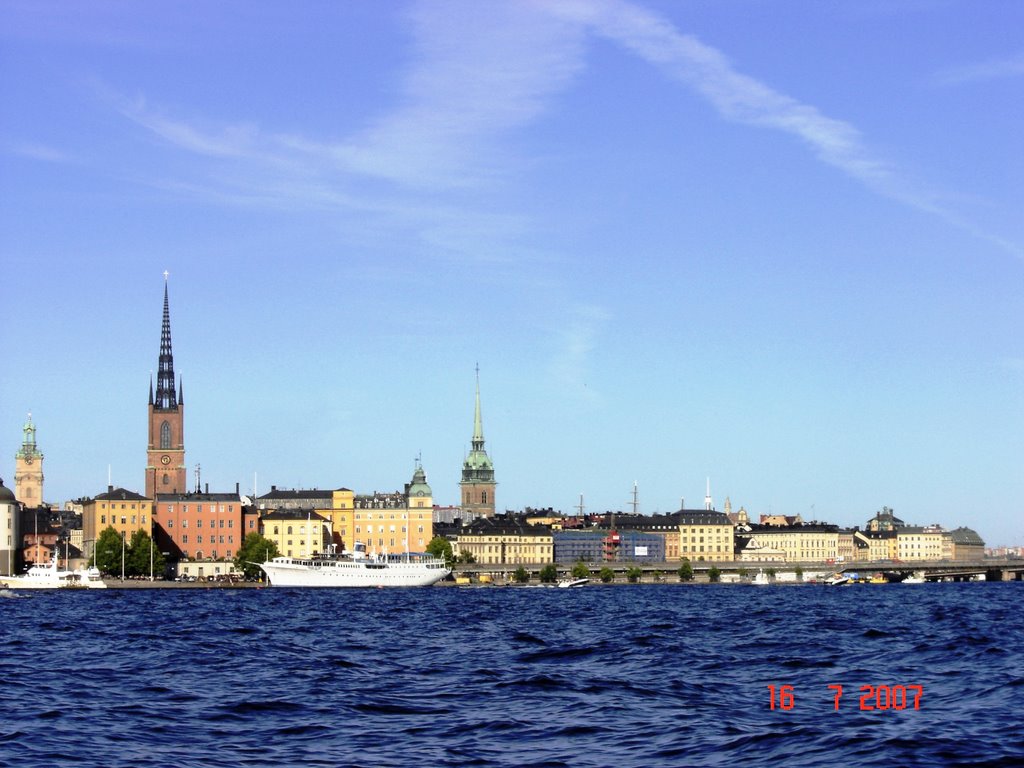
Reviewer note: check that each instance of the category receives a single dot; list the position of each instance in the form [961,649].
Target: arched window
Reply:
[483,497]
[165,435]
[167,479]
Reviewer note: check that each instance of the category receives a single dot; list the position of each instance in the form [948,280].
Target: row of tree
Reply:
[138,557]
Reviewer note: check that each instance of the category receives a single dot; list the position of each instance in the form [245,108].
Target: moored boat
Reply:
[50,576]
[761,579]
[355,569]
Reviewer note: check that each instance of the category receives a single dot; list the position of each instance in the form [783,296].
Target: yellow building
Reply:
[506,540]
[125,511]
[920,543]
[878,545]
[297,532]
[28,469]
[387,523]
[704,535]
[797,543]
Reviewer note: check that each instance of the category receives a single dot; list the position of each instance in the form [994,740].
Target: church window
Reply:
[483,497]
[167,479]
[165,436]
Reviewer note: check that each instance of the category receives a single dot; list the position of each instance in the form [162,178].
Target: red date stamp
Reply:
[871,697]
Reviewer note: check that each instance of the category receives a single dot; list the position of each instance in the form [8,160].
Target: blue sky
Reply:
[779,245]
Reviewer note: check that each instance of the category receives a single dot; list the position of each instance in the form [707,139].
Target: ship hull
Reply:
[288,572]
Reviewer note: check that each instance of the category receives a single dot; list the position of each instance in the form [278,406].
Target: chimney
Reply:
[207,491]
[110,489]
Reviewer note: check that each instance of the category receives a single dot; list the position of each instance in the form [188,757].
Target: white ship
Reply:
[355,569]
[49,576]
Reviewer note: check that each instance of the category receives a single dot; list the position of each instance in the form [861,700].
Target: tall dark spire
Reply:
[166,397]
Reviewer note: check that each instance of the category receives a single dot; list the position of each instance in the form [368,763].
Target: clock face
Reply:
[165,460]
[29,459]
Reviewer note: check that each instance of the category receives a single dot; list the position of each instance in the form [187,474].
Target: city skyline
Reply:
[677,247]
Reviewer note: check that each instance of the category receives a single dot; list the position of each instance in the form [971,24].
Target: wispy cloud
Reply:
[43,152]
[480,71]
[993,69]
[576,343]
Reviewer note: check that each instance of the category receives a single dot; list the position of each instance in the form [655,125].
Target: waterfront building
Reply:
[123,510]
[705,535]
[506,540]
[394,522]
[478,485]
[597,546]
[797,542]
[39,536]
[28,469]
[966,544]
[199,525]
[297,532]
[10,541]
[917,543]
[846,551]
[165,453]
[874,545]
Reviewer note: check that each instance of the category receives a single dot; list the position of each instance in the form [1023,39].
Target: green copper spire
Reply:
[477,466]
[478,423]
[28,446]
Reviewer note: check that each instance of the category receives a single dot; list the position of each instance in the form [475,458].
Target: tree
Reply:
[549,574]
[714,575]
[466,557]
[521,576]
[634,574]
[607,575]
[439,546]
[140,550]
[255,549]
[799,573]
[686,571]
[108,552]
[580,571]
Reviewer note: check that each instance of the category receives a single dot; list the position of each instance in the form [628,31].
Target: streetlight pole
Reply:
[122,555]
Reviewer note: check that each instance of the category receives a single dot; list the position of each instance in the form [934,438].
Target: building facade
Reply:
[198,526]
[123,510]
[477,486]
[506,540]
[165,453]
[297,532]
[10,534]
[28,469]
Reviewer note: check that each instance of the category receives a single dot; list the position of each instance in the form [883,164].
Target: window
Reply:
[184,539]
[165,435]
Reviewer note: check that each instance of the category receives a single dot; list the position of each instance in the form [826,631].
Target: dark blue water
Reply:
[602,676]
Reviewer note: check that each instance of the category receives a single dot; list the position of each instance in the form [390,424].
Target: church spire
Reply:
[166,396]
[478,424]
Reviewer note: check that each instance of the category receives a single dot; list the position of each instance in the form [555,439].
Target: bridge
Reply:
[987,569]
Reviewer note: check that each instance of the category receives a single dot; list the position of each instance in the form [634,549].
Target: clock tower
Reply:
[28,469]
[165,456]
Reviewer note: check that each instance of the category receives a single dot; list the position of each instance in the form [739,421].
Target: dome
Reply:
[418,486]
[6,494]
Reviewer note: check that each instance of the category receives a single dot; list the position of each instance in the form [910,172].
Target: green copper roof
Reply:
[28,447]
[418,486]
[477,466]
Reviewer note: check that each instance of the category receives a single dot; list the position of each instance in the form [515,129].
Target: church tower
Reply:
[165,456]
[28,469]
[477,483]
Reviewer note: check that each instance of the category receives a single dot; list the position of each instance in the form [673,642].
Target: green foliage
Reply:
[714,575]
[141,549]
[607,575]
[771,573]
[549,574]
[439,546]
[580,571]
[255,549]
[521,576]
[109,549]
[633,575]
[799,573]
[686,571]
[466,557]
[744,572]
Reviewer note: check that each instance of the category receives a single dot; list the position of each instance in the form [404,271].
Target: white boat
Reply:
[355,569]
[762,579]
[914,578]
[566,583]
[50,576]
[837,579]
